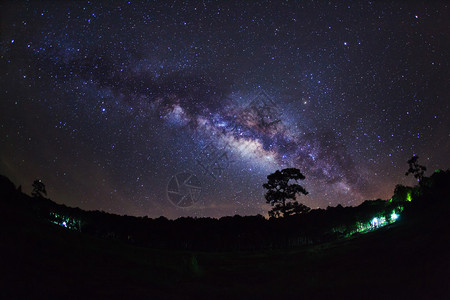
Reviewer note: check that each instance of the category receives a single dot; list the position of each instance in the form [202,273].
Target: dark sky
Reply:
[183,108]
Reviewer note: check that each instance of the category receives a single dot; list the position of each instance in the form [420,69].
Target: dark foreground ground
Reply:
[410,259]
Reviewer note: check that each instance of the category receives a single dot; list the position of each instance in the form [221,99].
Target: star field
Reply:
[111,103]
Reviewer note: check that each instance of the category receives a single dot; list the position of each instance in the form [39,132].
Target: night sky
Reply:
[183,108]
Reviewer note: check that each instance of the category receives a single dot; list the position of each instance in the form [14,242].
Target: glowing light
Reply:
[374,222]
[65,221]
[408,197]
[394,216]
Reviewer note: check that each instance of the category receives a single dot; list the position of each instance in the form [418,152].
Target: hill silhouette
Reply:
[57,251]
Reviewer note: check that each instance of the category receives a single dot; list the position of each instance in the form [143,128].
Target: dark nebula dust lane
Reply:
[183,109]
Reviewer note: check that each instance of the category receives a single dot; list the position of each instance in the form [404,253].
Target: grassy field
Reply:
[40,260]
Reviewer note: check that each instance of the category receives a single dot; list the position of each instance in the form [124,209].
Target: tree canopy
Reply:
[282,195]
[38,189]
[415,169]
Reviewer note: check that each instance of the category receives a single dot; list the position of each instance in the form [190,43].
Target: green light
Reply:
[65,221]
[408,197]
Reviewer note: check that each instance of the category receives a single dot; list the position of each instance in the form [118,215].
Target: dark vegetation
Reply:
[319,253]
[208,234]
[282,195]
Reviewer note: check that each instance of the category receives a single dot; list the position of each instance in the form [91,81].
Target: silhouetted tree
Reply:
[38,189]
[279,192]
[415,169]
[291,208]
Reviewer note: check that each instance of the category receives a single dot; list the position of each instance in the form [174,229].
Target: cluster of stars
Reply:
[106,102]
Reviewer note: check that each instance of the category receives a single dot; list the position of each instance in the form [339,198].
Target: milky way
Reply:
[183,109]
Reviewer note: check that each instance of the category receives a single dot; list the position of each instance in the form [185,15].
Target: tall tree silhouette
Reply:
[415,169]
[281,195]
[38,189]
